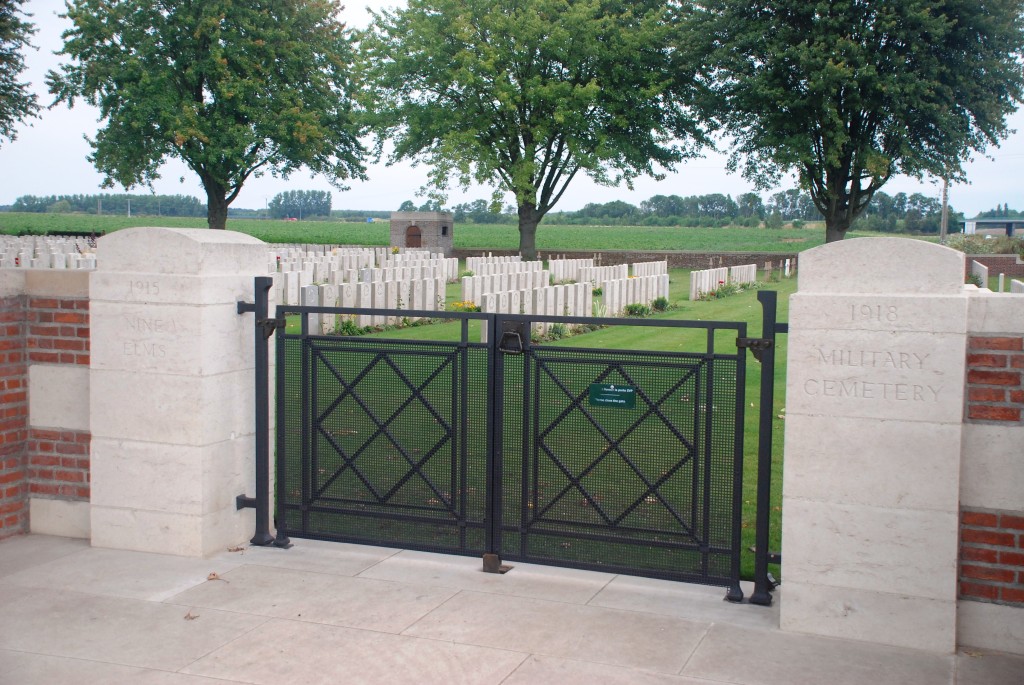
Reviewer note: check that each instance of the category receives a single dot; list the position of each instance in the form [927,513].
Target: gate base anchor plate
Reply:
[492,564]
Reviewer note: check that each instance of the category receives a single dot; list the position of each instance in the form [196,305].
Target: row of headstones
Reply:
[617,294]
[572,299]
[650,268]
[598,274]
[706,281]
[476,264]
[357,259]
[410,295]
[44,252]
[480,267]
[563,270]
[289,284]
[475,287]
[378,255]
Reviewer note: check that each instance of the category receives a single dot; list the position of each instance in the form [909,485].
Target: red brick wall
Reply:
[992,556]
[58,331]
[995,379]
[51,463]
[998,264]
[13,417]
[58,463]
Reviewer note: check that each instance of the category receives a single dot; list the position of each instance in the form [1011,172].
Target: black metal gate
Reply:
[620,460]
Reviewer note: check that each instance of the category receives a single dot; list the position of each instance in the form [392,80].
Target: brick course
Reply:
[995,379]
[992,557]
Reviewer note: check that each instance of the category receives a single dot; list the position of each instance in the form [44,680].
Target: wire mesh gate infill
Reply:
[647,489]
[379,442]
[457,447]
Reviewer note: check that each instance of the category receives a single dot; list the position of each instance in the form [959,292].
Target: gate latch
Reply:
[757,346]
[270,325]
[512,333]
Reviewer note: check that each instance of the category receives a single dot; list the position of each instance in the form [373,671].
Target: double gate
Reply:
[621,460]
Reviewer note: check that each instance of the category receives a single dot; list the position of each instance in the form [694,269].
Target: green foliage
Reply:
[557,331]
[59,207]
[300,204]
[1003,212]
[637,309]
[723,290]
[232,89]
[660,304]
[347,326]
[978,244]
[155,205]
[847,93]
[522,96]
[17,101]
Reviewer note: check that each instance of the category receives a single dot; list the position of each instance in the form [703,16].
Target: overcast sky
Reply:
[49,157]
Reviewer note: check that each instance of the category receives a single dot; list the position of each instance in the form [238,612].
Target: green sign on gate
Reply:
[611,395]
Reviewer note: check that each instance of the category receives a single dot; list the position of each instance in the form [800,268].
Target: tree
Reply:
[17,103]
[300,204]
[523,95]
[750,205]
[847,93]
[232,89]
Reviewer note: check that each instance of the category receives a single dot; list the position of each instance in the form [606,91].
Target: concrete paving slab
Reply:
[465,573]
[21,668]
[975,667]
[117,573]
[609,636]
[313,654]
[25,551]
[547,669]
[112,629]
[319,556]
[685,600]
[318,597]
[534,625]
[761,657]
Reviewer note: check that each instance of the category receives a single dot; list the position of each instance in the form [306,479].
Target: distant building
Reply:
[994,227]
[423,230]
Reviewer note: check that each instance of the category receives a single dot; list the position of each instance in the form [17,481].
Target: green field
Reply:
[466,236]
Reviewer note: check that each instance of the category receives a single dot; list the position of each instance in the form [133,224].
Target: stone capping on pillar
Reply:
[171,389]
[874,417]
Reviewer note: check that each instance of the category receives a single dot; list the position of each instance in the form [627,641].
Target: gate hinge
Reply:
[756,345]
[271,325]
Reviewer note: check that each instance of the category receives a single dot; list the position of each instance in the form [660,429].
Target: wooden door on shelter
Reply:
[413,237]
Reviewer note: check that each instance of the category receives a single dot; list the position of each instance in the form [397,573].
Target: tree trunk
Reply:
[529,217]
[836,228]
[216,204]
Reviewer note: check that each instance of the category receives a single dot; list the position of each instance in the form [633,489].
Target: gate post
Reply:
[762,583]
[874,424]
[171,390]
[264,327]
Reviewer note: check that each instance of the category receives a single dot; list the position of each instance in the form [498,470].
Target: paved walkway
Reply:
[346,614]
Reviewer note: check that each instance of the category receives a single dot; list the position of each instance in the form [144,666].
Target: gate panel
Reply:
[379,442]
[649,486]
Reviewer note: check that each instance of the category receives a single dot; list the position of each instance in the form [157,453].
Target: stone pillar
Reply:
[171,389]
[874,410]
